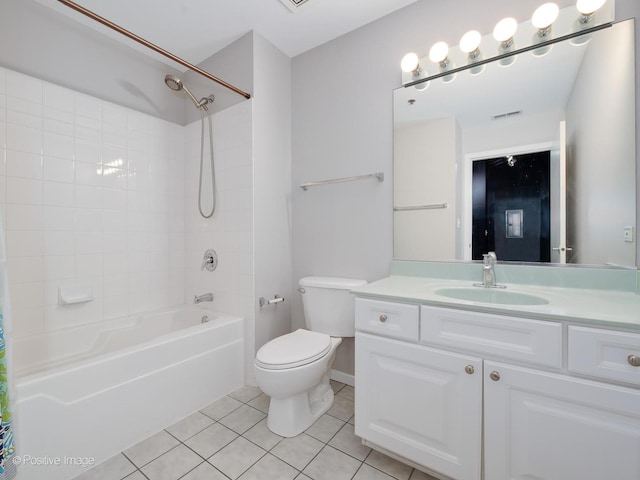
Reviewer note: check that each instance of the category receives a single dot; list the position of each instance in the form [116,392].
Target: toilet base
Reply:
[291,416]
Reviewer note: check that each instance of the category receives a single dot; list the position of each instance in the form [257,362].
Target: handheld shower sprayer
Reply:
[174,83]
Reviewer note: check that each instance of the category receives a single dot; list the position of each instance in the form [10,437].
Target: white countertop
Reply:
[612,308]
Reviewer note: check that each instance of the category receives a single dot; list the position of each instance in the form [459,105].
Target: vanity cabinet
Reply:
[472,396]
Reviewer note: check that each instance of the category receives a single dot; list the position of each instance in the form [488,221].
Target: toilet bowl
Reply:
[294,369]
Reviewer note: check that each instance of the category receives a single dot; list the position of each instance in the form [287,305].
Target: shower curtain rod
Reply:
[146,43]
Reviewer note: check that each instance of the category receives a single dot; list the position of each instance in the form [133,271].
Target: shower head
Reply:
[174,83]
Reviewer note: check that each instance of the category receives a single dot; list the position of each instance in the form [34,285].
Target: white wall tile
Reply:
[115,264]
[58,169]
[58,243]
[24,243]
[59,267]
[58,194]
[88,220]
[24,191]
[88,197]
[114,220]
[87,133]
[88,243]
[88,174]
[88,151]
[89,265]
[28,321]
[23,164]
[95,193]
[115,242]
[56,145]
[24,139]
[27,295]
[58,218]
[24,217]
[25,269]
[116,285]
[116,306]
[113,199]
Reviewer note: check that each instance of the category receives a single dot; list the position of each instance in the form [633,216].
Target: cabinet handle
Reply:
[634,360]
[383,318]
[469,369]
[495,376]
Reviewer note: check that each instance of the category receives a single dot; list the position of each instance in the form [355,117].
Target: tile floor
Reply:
[229,439]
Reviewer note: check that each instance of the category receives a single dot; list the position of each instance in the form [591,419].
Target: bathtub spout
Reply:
[207,297]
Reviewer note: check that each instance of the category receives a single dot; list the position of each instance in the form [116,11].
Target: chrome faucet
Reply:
[488,271]
[207,297]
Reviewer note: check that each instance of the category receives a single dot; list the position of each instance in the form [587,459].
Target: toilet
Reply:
[294,369]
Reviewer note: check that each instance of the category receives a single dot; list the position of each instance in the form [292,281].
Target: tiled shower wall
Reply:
[91,193]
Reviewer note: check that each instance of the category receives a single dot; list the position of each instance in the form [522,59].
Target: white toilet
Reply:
[294,369]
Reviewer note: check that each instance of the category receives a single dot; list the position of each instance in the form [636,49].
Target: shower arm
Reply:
[155,48]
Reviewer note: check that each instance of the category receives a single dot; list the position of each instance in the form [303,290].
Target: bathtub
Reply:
[86,393]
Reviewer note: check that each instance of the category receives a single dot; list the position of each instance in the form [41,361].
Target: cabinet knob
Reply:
[634,360]
[383,318]
[495,376]
[469,369]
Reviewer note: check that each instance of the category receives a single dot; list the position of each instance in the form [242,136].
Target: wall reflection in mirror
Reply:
[535,161]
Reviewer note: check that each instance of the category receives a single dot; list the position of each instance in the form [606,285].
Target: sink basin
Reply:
[491,295]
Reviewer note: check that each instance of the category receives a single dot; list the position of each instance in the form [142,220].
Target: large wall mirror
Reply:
[535,161]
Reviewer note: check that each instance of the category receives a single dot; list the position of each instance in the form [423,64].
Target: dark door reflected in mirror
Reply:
[511,207]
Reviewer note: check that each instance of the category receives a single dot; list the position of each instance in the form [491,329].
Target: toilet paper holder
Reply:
[276,299]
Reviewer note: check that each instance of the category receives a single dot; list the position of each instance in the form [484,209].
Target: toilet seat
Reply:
[293,350]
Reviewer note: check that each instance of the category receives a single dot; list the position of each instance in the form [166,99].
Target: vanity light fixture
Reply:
[587,10]
[470,44]
[439,54]
[503,32]
[543,19]
[411,64]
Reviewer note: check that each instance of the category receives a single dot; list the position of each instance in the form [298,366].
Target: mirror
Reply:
[535,161]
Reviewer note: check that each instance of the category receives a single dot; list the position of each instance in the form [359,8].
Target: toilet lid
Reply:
[293,350]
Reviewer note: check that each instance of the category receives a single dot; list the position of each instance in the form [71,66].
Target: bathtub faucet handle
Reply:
[207,297]
[209,260]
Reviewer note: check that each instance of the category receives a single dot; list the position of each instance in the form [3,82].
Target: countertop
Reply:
[590,306]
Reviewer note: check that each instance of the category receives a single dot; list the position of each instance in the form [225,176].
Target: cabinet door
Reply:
[540,425]
[422,404]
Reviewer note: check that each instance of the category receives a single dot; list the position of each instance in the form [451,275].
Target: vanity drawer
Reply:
[606,354]
[516,338]
[388,319]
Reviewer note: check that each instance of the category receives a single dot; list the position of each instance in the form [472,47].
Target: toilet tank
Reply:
[329,307]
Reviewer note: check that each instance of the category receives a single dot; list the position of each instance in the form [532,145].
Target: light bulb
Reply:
[470,41]
[505,29]
[545,15]
[409,63]
[439,52]
[587,7]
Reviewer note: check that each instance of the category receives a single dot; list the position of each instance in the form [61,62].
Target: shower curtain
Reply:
[8,461]
[7,466]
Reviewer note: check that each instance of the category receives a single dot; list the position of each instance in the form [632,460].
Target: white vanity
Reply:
[530,382]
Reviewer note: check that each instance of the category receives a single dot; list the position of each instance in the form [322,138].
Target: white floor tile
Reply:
[172,465]
[234,459]
[298,451]
[331,464]
[151,448]
[189,426]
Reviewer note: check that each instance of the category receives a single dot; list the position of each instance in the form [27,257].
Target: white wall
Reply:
[37,41]
[426,154]
[601,183]
[88,193]
[342,125]
[272,188]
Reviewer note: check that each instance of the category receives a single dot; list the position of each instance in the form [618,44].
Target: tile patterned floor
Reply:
[229,439]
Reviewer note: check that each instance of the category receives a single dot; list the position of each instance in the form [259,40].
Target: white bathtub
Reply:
[92,391]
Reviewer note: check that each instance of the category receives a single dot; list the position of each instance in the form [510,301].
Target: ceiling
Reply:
[196,29]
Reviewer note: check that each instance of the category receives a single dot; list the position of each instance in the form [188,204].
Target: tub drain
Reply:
[205,319]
